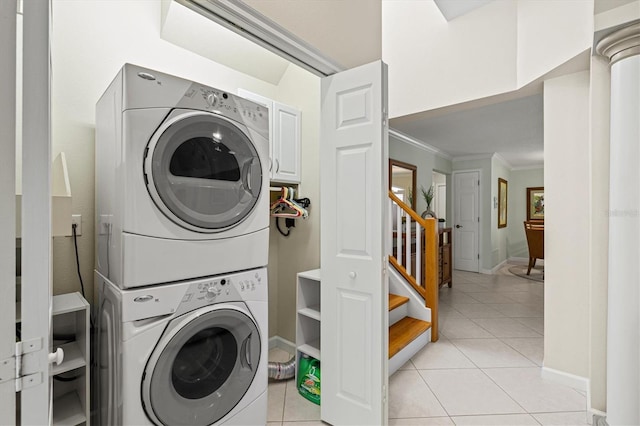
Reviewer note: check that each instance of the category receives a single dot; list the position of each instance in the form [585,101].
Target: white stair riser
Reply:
[398,313]
[415,306]
[401,358]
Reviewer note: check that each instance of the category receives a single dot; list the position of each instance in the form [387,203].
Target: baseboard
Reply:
[280,343]
[596,417]
[567,379]
[520,260]
[493,270]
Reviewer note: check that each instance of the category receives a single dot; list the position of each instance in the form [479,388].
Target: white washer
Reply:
[181,180]
[189,353]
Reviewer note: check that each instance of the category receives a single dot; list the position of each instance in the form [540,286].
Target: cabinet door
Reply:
[285,147]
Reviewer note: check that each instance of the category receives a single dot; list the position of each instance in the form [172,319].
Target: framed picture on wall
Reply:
[502,203]
[535,203]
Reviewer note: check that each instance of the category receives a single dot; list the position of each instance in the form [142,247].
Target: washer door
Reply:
[202,367]
[202,171]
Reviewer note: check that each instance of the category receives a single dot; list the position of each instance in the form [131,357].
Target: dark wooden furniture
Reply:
[534,231]
[444,258]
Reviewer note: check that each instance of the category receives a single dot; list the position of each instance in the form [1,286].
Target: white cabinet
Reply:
[70,325]
[308,315]
[284,138]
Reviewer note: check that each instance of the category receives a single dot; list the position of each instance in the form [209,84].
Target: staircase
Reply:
[413,292]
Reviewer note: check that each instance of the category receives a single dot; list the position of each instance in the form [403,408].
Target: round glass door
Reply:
[203,172]
[204,370]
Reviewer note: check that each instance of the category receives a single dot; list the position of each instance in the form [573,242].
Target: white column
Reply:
[622,47]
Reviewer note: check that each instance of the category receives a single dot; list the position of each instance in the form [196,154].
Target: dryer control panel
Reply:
[178,298]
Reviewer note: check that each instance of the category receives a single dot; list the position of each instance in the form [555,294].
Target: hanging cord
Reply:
[75,243]
[280,230]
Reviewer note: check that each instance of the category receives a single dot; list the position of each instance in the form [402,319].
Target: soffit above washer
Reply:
[451,9]
[194,32]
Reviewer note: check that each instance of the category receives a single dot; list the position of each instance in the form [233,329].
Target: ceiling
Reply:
[513,129]
[453,8]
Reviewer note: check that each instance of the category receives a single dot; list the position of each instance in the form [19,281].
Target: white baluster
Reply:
[399,214]
[408,243]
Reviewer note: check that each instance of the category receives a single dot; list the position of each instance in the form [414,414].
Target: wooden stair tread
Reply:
[404,332]
[396,301]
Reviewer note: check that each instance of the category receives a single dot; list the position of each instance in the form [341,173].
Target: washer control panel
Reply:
[186,296]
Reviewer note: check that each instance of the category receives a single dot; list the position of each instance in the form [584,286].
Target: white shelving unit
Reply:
[71,383]
[308,315]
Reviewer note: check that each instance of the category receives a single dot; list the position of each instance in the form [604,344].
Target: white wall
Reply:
[567,223]
[91,41]
[430,59]
[425,162]
[599,151]
[551,33]
[520,181]
[499,235]
[497,48]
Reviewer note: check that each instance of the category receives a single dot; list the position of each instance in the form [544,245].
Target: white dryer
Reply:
[181,180]
[189,353]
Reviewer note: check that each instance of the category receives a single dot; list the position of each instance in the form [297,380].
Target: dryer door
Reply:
[202,171]
[202,367]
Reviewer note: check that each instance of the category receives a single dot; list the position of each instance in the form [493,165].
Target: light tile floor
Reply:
[484,370]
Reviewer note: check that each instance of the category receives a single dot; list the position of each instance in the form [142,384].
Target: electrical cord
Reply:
[75,243]
[280,230]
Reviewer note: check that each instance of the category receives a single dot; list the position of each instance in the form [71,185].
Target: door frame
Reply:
[8,49]
[454,210]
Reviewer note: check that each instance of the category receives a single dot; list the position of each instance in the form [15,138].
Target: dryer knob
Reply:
[212,99]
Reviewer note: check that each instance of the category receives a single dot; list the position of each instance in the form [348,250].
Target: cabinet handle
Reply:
[277,165]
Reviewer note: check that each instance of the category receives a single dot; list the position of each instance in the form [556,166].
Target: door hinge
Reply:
[478,256]
[11,368]
[478,219]
[478,182]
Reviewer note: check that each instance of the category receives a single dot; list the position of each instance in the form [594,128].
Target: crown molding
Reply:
[502,160]
[419,144]
[472,157]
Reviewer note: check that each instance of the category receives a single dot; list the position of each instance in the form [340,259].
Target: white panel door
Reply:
[36,216]
[353,176]
[466,225]
[7,210]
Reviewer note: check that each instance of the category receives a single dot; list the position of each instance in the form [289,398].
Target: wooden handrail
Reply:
[415,216]
[427,283]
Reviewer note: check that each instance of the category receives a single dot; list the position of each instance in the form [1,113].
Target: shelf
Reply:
[70,302]
[311,349]
[313,274]
[312,312]
[67,410]
[73,359]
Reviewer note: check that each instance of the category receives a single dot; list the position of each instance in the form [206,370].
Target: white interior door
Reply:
[353,176]
[441,201]
[466,222]
[36,214]
[8,17]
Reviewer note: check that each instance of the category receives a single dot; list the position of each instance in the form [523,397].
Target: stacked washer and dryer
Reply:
[182,247]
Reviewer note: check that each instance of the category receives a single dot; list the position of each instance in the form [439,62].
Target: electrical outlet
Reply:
[76,219]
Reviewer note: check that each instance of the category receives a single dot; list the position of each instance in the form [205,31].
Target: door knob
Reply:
[458,226]
[352,275]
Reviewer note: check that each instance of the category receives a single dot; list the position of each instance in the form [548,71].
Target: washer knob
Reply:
[211,292]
